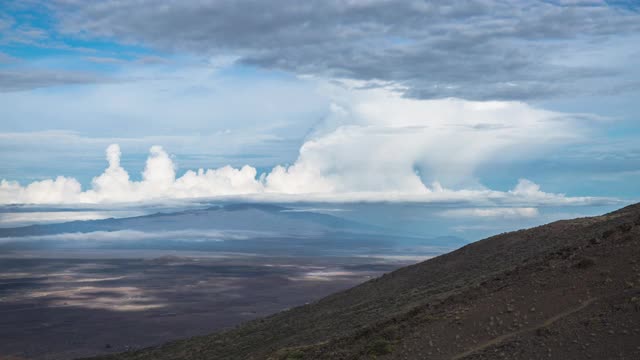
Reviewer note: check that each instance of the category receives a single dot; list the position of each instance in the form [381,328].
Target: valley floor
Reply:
[88,303]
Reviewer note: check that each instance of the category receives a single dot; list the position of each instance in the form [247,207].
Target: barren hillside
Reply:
[566,290]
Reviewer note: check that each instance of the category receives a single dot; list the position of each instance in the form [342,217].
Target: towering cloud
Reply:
[375,145]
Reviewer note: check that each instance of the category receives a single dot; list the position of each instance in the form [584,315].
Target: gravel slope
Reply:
[566,290]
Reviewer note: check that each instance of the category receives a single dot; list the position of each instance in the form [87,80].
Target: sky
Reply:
[495,107]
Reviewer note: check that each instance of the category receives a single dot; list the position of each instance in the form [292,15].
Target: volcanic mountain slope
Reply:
[264,217]
[566,290]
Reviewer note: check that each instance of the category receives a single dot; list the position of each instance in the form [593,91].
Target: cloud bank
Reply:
[515,212]
[474,49]
[301,181]
[375,146]
[134,235]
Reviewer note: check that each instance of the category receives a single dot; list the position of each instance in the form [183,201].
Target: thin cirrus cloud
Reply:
[375,146]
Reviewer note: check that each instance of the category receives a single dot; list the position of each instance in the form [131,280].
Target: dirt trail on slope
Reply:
[507,336]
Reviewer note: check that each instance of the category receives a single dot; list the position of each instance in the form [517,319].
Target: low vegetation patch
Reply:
[380,347]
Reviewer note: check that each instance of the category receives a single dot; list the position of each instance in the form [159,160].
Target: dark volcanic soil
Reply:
[64,308]
[567,290]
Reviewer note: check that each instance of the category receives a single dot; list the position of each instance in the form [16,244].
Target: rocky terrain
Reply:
[566,290]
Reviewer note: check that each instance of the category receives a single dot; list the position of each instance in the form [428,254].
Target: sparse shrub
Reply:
[380,347]
[390,332]
[288,354]
[295,355]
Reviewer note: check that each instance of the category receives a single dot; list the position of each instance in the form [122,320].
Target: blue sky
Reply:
[468,97]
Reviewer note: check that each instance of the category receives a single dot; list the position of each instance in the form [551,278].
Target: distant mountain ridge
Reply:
[231,216]
[262,228]
[566,290]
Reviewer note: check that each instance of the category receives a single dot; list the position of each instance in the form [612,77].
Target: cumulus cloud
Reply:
[114,185]
[377,140]
[375,146]
[293,183]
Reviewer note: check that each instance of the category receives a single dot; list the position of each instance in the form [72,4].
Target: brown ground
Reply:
[567,290]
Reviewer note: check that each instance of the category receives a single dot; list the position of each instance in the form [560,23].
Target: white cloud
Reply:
[159,182]
[516,212]
[188,107]
[134,235]
[407,142]
[28,218]
[375,146]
